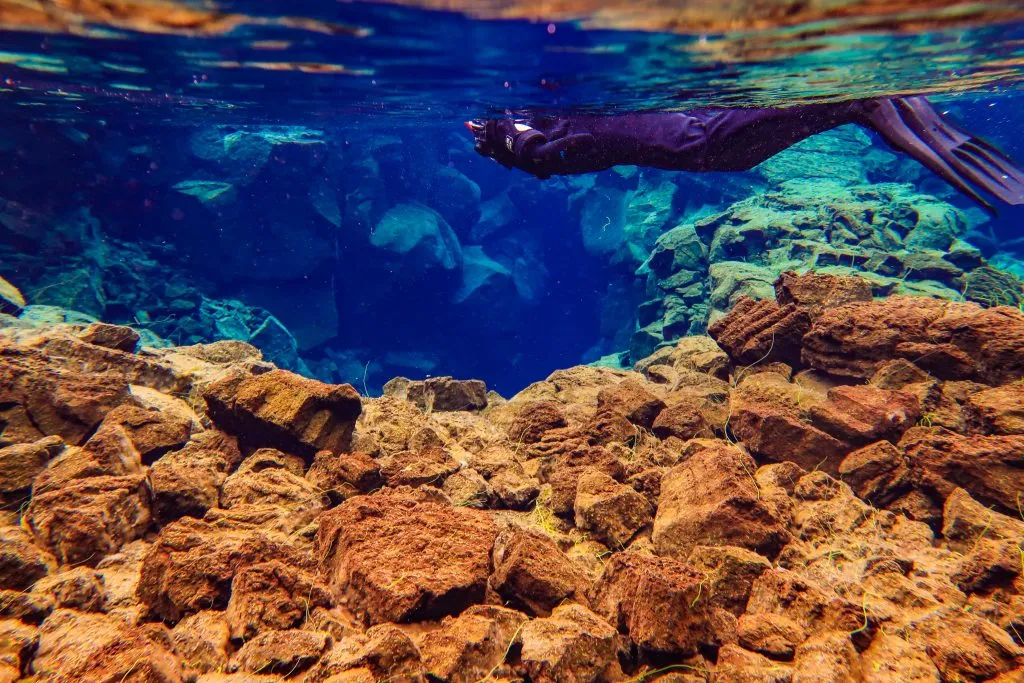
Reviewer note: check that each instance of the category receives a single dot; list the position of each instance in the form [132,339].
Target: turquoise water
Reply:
[304,181]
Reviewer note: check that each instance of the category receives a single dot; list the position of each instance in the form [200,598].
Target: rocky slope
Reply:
[831,492]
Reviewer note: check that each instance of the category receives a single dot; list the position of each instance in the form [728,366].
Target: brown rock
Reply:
[282,652]
[760,331]
[192,563]
[571,645]
[683,420]
[712,498]
[629,399]
[965,522]
[150,432]
[445,393]
[890,659]
[392,558]
[513,490]
[345,473]
[878,473]
[964,646]
[989,565]
[532,574]
[89,518]
[283,410]
[467,648]
[533,420]
[773,635]
[863,414]
[418,468]
[31,608]
[803,601]
[203,641]
[990,468]
[18,642]
[657,601]
[21,562]
[187,483]
[468,488]
[20,463]
[996,411]
[272,596]
[776,436]
[897,374]
[827,657]
[948,340]
[563,471]
[117,337]
[75,646]
[56,400]
[384,651]
[730,572]
[265,478]
[611,512]
[79,588]
[737,665]
[815,293]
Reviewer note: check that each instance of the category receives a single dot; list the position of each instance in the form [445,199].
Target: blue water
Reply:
[194,177]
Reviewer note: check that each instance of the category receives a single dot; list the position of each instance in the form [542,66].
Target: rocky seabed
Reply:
[829,487]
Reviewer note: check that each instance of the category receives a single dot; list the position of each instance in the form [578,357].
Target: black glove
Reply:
[519,145]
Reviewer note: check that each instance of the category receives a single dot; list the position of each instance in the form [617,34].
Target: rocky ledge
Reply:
[832,491]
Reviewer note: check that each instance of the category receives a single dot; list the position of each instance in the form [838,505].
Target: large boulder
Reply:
[283,410]
[395,557]
[420,236]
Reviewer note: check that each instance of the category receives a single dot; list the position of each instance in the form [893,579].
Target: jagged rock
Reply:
[863,414]
[432,465]
[265,478]
[272,596]
[58,401]
[656,601]
[150,433]
[21,562]
[533,420]
[514,490]
[392,558]
[446,393]
[612,512]
[994,411]
[897,374]
[990,468]
[683,420]
[383,651]
[467,648]
[731,572]
[282,652]
[27,607]
[817,608]
[773,635]
[712,498]
[467,487]
[878,473]
[188,482]
[191,564]
[988,565]
[630,400]
[965,521]
[776,435]
[79,588]
[202,640]
[18,643]
[815,293]
[890,658]
[115,337]
[761,331]
[282,410]
[740,665]
[344,473]
[76,646]
[828,656]
[85,520]
[20,463]
[948,340]
[532,574]
[572,644]
[980,650]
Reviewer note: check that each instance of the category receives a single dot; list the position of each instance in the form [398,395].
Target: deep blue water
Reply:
[193,180]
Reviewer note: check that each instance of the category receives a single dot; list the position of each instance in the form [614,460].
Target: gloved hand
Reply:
[517,144]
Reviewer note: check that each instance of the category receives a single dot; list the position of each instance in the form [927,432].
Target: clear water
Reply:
[192,170]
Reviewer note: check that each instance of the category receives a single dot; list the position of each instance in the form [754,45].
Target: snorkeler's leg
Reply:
[739,139]
[911,125]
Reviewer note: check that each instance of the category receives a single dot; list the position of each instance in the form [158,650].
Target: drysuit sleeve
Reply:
[517,144]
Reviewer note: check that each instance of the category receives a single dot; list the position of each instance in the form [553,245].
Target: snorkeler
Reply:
[739,139]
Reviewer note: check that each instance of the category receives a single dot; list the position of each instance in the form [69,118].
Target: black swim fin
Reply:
[911,125]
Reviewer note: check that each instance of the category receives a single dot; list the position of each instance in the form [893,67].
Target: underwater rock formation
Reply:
[193,513]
